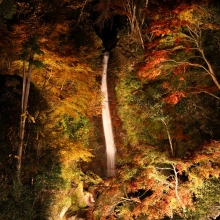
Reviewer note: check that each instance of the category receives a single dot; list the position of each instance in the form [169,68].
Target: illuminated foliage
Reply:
[166,88]
[164,104]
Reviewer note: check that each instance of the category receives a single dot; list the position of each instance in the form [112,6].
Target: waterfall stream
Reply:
[106,120]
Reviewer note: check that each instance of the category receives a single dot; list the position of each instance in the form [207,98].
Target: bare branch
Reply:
[165,182]
[208,94]
[176,187]
[190,64]
[169,136]
[131,199]
[195,37]
[195,33]
[81,12]
[146,4]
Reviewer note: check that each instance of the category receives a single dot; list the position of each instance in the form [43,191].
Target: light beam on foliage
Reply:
[106,119]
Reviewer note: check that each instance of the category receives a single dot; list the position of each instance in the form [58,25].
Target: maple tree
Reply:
[185,30]
[171,56]
[158,186]
[166,90]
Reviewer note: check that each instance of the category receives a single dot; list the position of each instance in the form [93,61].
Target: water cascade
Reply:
[106,120]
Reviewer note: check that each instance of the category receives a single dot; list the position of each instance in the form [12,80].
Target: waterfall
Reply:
[106,120]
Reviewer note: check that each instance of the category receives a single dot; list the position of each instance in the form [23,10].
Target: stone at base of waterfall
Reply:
[89,199]
[64,210]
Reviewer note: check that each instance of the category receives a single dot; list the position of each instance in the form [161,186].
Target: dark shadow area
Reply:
[108,31]
[141,194]
[40,164]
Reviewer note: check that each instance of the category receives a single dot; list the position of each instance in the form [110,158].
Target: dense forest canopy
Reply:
[164,96]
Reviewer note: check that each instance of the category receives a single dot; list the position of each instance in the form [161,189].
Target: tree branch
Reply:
[169,136]
[176,187]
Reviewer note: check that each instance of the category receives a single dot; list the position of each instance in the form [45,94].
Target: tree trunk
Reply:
[25,95]
[211,71]
[169,136]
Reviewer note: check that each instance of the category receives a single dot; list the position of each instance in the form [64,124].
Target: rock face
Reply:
[109,32]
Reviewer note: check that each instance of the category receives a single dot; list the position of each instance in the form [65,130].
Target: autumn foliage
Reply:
[164,104]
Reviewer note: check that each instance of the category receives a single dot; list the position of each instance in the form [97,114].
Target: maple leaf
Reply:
[174,98]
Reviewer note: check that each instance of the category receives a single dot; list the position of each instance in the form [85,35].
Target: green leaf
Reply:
[37,63]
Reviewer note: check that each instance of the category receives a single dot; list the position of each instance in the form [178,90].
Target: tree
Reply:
[7,10]
[154,185]
[188,30]
[29,49]
[176,58]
